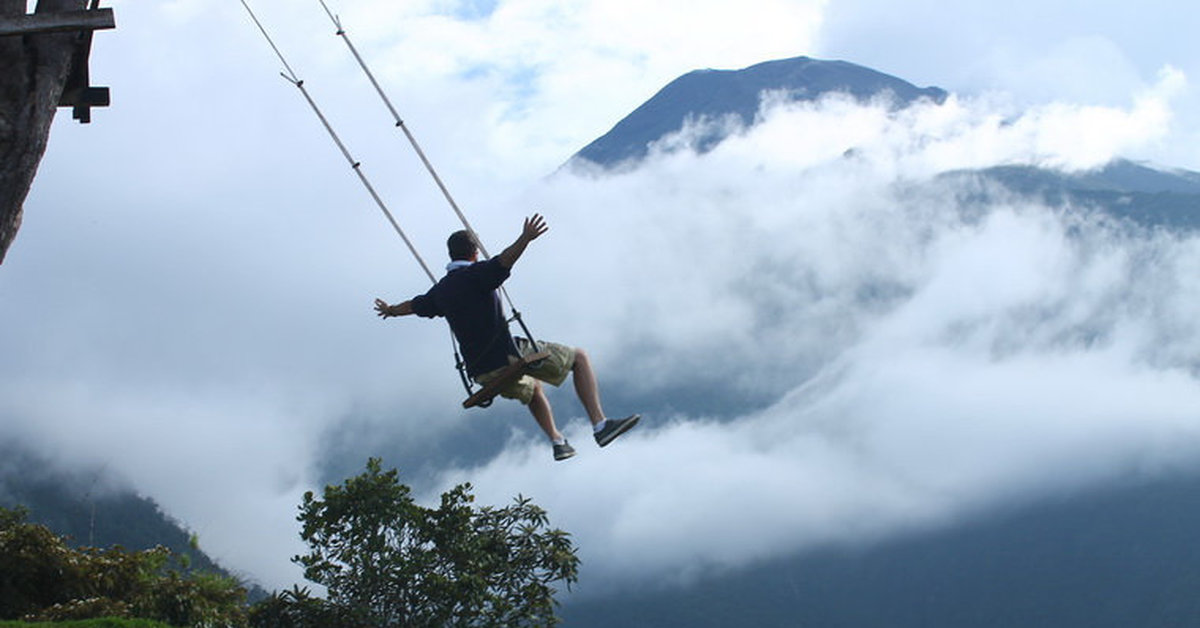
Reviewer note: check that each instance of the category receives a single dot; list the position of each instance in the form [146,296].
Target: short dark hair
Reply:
[461,245]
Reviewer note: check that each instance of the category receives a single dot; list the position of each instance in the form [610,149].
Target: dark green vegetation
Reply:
[86,507]
[43,579]
[384,560]
[107,622]
[391,562]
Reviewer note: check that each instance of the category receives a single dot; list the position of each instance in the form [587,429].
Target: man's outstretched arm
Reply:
[534,227]
[387,311]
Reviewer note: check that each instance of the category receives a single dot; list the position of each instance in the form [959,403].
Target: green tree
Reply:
[395,563]
[299,609]
[37,569]
[43,579]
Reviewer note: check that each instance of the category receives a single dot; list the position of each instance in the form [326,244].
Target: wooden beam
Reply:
[67,21]
[87,98]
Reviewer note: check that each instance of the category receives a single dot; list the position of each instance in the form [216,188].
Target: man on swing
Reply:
[467,297]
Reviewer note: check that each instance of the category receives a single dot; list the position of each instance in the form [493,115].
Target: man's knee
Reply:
[536,395]
[581,357]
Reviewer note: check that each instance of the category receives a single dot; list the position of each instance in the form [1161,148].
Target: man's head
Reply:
[462,246]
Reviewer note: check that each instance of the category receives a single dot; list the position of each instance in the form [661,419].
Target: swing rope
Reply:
[481,399]
[341,32]
[355,165]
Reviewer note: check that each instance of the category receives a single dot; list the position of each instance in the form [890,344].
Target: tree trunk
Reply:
[33,71]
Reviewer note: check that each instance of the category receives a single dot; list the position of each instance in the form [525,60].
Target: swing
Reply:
[484,396]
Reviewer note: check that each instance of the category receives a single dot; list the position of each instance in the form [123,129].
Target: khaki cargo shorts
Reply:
[552,370]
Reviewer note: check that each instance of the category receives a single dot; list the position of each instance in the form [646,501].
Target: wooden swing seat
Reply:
[506,377]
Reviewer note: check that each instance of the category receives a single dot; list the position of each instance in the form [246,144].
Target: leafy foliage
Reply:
[298,609]
[106,622]
[391,562]
[43,579]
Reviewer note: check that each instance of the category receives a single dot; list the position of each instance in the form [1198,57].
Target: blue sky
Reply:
[188,302]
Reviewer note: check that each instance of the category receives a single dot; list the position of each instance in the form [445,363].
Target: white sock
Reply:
[559,441]
[599,426]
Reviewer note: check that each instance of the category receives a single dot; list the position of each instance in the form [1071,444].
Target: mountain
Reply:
[714,94]
[1124,189]
[89,508]
[1118,557]
[1142,194]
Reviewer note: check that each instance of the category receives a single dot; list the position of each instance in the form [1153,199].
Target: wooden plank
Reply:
[86,97]
[66,21]
[510,372]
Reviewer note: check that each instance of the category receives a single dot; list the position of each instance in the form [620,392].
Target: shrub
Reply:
[43,579]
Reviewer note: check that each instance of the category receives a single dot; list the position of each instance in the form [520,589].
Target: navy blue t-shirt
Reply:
[467,298]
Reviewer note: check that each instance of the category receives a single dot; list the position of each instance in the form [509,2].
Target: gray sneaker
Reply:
[615,427]
[563,451]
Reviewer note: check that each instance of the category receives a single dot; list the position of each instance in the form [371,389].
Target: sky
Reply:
[188,303]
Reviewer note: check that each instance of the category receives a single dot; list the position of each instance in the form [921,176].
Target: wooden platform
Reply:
[510,373]
[77,93]
[67,21]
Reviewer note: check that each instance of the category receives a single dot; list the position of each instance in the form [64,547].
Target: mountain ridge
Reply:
[1115,555]
[713,94]
[90,509]
[1147,195]
[1124,189]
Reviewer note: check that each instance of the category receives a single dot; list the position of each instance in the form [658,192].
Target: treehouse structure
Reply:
[44,58]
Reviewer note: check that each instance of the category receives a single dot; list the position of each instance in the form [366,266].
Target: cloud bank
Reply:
[928,359]
[188,303]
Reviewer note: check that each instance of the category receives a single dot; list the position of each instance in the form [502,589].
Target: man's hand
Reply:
[387,311]
[535,226]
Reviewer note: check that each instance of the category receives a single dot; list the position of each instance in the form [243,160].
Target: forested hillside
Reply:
[90,507]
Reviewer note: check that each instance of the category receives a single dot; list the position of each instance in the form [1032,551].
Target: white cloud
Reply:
[929,363]
[1088,69]
[193,281]
[551,68]
[1034,53]
[208,457]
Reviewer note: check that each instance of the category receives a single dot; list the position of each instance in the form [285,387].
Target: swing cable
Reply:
[355,165]
[341,32]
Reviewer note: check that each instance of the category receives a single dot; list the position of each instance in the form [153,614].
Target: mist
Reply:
[925,359]
[831,343]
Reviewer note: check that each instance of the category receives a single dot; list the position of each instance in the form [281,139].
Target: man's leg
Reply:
[604,429]
[586,387]
[539,407]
